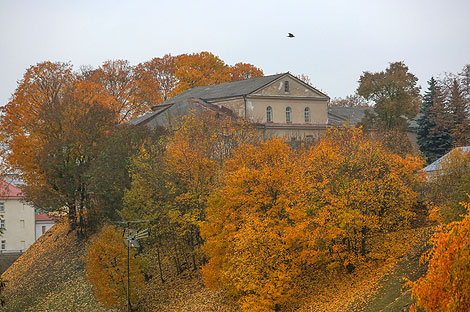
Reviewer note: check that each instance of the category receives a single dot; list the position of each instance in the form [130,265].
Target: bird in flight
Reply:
[290,35]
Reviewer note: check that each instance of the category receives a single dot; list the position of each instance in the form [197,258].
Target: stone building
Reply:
[279,105]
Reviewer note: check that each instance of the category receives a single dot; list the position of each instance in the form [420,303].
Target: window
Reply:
[269,114]
[307,114]
[286,86]
[22,224]
[288,114]
[4,244]
[43,229]
[23,245]
[2,224]
[2,207]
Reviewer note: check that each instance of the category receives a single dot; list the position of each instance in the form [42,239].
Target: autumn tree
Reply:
[446,286]
[156,79]
[118,80]
[242,71]
[353,100]
[395,95]
[172,180]
[58,127]
[278,211]
[254,230]
[106,268]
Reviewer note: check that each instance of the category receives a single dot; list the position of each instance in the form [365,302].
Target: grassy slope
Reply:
[49,276]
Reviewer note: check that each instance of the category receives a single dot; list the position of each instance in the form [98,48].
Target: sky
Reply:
[335,40]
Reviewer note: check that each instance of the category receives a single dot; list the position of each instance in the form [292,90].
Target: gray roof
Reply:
[342,115]
[435,166]
[224,90]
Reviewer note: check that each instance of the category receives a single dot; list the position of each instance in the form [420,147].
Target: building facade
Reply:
[279,105]
[16,220]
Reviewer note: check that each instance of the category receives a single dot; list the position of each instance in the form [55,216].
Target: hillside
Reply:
[50,277]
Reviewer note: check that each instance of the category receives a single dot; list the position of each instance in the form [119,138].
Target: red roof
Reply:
[9,191]
[43,217]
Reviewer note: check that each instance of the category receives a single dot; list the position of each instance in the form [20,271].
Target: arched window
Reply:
[288,114]
[269,114]
[307,114]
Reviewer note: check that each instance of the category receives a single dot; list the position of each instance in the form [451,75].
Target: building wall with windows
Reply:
[43,223]
[17,219]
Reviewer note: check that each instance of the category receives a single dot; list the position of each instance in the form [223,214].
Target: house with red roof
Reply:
[17,220]
[43,223]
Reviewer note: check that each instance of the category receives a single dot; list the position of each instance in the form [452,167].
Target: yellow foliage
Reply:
[446,287]
[278,211]
[106,268]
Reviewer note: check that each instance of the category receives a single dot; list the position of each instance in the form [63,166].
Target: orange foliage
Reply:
[446,287]
[106,268]
[278,211]
[156,79]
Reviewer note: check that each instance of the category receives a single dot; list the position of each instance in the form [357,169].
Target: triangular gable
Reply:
[296,87]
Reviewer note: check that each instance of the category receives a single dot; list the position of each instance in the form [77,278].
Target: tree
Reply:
[242,71]
[395,95]
[57,127]
[106,268]
[354,100]
[156,79]
[172,181]
[253,233]
[459,116]
[200,69]
[117,79]
[434,137]
[278,211]
[446,286]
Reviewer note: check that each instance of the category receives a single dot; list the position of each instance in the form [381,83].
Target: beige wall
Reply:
[256,110]
[19,231]
[236,105]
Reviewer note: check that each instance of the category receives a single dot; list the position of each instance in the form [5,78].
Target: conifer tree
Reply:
[434,139]
[457,107]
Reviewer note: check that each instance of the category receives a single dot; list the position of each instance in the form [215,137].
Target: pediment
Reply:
[296,88]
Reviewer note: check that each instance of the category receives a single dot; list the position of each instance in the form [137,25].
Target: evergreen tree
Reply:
[434,137]
[458,114]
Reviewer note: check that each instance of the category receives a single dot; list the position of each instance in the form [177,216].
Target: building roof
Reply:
[346,115]
[436,166]
[180,103]
[43,217]
[9,191]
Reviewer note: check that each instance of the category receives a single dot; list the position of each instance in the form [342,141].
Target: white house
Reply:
[43,223]
[16,220]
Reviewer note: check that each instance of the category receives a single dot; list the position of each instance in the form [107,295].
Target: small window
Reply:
[307,114]
[286,86]
[2,207]
[269,114]
[288,114]
[2,224]
[43,229]
[22,224]
[4,243]
[23,245]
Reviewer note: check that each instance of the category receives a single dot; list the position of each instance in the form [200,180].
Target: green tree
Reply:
[434,137]
[395,95]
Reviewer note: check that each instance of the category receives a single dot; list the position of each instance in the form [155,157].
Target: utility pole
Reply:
[131,240]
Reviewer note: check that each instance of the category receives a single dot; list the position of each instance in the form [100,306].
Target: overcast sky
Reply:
[335,40]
